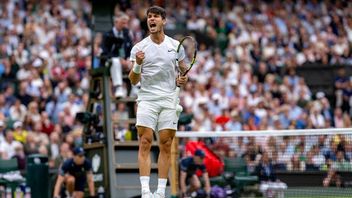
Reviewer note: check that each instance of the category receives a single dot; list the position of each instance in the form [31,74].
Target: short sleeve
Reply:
[87,165]
[133,53]
[64,168]
[184,165]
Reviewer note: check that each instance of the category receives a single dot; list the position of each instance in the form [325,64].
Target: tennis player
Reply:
[155,65]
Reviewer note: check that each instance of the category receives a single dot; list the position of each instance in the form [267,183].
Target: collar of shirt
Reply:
[117,33]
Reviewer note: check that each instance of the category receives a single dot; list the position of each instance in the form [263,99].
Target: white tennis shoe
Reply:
[158,195]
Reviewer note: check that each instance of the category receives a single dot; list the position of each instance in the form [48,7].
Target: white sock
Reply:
[161,186]
[144,183]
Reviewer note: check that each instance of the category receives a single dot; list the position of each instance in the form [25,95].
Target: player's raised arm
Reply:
[135,73]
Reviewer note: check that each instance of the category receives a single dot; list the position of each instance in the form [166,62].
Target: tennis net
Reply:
[303,163]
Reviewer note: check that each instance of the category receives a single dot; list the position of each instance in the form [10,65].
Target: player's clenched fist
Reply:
[139,57]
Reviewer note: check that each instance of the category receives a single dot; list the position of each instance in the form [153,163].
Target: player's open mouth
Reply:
[152,25]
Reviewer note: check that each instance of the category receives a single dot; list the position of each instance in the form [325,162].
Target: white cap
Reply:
[216,96]
[202,100]
[37,62]
[234,82]
[320,95]
[17,124]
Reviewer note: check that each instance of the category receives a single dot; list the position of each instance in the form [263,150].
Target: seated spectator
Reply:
[340,165]
[221,148]
[2,131]
[20,156]
[18,111]
[265,170]
[117,44]
[309,162]
[270,186]
[8,147]
[318,158]
[65,153]
[19,134]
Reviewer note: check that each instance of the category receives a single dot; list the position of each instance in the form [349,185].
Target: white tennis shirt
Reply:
[159,68]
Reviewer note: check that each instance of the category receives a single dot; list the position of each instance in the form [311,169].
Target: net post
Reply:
[174,167]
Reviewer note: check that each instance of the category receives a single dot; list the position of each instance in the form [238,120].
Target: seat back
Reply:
[8,165]
[236,165]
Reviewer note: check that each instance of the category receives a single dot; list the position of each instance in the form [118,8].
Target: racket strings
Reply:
[190,48]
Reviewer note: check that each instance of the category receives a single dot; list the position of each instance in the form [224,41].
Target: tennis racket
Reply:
[187,49]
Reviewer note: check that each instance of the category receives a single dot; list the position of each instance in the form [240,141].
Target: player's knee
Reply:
[70,180]
[165,145]
[145,143]
[196,183]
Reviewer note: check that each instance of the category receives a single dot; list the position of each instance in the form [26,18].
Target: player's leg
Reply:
[165,140]
[79,188]
[145,142]
[167,123]
[147,114]
[70,183]
[164,160]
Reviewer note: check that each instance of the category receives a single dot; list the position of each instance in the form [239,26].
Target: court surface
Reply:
[315,192]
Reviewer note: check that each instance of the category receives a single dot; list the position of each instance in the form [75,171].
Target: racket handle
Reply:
[177,94]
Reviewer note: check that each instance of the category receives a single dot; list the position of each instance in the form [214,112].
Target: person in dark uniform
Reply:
[75,172]
[117,45]
[189,166]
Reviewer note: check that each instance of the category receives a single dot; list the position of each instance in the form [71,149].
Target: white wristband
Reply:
[137,68]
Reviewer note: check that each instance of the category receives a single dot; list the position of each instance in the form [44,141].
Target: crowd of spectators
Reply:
[244,79]
[45,56]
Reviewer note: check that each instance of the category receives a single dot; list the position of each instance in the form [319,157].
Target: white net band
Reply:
[261,133]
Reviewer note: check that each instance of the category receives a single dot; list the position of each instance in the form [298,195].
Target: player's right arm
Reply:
[60,179]
[183,175]
[183,186]
[135,73]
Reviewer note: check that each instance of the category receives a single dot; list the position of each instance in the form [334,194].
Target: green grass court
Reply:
[314,192]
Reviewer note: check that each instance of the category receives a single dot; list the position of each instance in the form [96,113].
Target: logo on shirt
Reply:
[95,163]
[170,50]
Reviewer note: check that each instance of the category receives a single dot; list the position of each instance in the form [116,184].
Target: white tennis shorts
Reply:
[156,115]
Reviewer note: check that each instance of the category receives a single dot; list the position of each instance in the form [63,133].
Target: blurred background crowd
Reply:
[245,79]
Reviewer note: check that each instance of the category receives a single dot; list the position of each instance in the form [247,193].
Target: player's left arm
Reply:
[182,80]
[90,183]
[90,180]
[206,182]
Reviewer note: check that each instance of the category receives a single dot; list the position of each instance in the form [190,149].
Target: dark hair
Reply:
[157,10]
